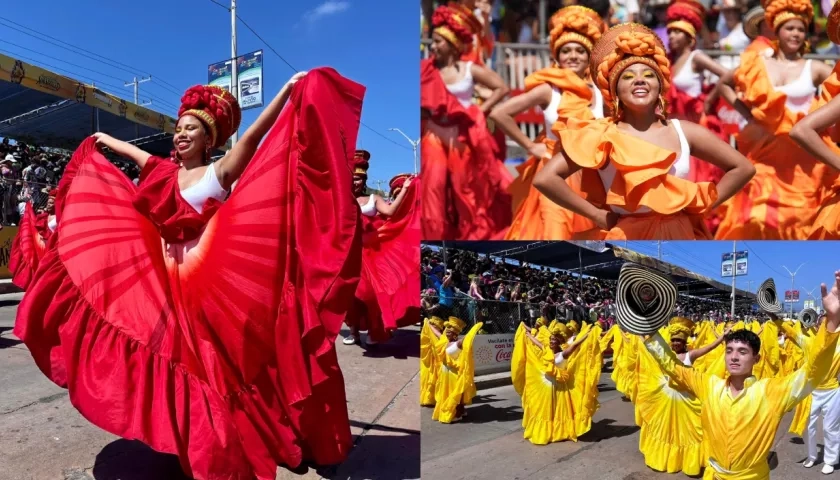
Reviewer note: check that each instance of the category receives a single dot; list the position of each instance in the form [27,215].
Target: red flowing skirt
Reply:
[387,297]
[220,349]
[28,247]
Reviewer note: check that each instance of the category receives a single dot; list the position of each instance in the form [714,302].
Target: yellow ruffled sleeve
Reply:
[519,359]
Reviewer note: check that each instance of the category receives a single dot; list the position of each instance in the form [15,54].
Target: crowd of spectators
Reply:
[476,287]
[27,174]
[517,21]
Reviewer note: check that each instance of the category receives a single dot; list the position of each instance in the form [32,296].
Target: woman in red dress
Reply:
[207,330]
[30,243]
[386,298]
[464,194]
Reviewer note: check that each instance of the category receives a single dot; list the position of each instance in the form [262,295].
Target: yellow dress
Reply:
[558,400]
[671,436]
[625,356]
[769,363]
[739,432]
[428,365]
[456,376]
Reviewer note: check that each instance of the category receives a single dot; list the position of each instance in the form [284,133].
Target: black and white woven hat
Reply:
[767,299]
[808,317]
[645,299]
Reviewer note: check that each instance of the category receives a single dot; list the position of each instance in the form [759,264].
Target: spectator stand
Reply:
[563,280]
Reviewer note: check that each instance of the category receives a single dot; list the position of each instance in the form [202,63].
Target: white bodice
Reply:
[207,187]
[550,113]
[369,208]
[464,89]
[687,80]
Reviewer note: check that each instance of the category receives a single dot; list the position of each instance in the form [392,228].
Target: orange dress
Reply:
[658,205]
[781,200]
[826,226]
[535,217]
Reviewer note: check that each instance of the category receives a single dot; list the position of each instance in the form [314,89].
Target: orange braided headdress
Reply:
[686,16]
[216,108]
[625,45]
[451,26]
[575,24]
[777,12]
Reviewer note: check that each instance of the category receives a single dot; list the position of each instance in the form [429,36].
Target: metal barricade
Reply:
[15,193]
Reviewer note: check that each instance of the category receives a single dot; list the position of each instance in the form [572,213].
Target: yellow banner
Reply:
[37,78]
[6,236]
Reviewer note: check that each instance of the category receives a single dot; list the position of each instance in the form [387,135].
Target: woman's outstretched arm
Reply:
[231,166]
[123,149]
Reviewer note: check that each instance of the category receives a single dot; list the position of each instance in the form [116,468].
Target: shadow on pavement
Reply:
[383,457]
[484,413]
[480,399]
[9,303]
[404,344]
[604,429]
[133,460]
[9,342]
[603,387]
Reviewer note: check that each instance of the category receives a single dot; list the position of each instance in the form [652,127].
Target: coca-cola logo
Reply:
[503,355]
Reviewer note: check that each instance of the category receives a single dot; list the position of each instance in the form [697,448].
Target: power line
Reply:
[761,259]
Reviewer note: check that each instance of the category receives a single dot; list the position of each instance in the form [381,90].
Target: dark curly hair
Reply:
[744,336]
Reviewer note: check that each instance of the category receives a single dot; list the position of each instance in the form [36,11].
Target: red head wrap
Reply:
[450,25]
[397,183]
[361,162]
[53,192]
[216,108]
[686,16]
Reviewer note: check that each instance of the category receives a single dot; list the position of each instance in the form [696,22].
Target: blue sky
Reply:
[766,259]
[373,43]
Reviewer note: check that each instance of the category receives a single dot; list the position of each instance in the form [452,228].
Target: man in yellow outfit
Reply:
[740,415]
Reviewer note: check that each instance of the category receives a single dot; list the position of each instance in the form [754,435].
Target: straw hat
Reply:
[752,22]
[645,299]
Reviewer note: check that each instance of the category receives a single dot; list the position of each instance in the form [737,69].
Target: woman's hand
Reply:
[539,151]
[407,182]
[606,219]
[101,139]
[295,78]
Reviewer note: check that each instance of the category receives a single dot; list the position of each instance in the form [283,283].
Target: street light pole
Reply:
[413,143]
[792,278]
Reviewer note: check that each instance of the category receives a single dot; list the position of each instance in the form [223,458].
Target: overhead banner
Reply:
[249,70]
[740,264]
[45,81]
[791,296]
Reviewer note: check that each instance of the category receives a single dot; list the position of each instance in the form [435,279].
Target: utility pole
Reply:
[734,262]
[234,75]
[792,278]
[413,143]
[659,247]
[136,84]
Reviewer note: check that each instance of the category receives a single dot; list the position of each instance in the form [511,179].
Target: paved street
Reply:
[489,444]
[43,437]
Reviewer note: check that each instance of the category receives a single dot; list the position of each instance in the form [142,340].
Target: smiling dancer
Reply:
[636,163]
[773,90]
[455,387]
[207,329]
[562,91]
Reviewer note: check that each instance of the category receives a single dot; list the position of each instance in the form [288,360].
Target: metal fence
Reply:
[14,194]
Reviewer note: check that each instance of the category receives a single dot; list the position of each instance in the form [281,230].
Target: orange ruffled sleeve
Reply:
[766,104]
[642,170]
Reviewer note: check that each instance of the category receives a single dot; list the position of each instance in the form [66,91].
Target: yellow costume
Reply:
[739,432]
[559,395]
[428,362]
[671,437]
[456,375]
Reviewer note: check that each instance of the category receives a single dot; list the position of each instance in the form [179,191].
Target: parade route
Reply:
[42,437]
[488,443]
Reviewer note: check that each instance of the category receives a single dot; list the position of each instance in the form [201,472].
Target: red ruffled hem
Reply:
[27,247]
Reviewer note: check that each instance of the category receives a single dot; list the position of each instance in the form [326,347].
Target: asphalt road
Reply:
[42,437]
[489,444]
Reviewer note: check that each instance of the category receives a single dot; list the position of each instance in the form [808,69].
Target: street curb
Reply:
[6,287]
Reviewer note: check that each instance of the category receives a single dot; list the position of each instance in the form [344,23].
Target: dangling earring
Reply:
[616,111]
[663,107]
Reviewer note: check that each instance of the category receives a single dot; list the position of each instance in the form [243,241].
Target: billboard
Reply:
[740,264]
[791,296]
[809,304]
[249,70]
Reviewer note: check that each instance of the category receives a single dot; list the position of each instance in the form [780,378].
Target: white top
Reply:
[465,88]
[687,80]
[52,223]
[680,168]
[687,360]
[369,208]
[800,92]
[453,350]
[558,358]
[207,187]
[550,113]
[736,41]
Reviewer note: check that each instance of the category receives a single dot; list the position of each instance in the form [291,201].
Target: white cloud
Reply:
[330,7]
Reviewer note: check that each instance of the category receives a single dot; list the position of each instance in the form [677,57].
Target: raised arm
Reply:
[551,182]
[123,149]
[699,352]
[231,166]
[707,146]
[492,80]
[388,209]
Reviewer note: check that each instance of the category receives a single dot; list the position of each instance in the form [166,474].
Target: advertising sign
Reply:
[249,70]
[740,264]
[492,352]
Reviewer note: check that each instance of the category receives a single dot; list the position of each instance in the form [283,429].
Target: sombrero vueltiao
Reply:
[751,22]
[766,297]
[645,299]
[808,317]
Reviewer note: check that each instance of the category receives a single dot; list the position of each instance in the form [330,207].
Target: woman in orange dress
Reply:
[464,185]
[562,91]
[773,90]
[808,133]
[636,162]
[688,94]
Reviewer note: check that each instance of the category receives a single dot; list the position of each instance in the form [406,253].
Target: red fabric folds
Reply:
[465,186]
[386,298]
[28,247]
[220,350]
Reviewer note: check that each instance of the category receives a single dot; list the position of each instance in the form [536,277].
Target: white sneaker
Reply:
[828,469]
[808,463]
[349,340]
